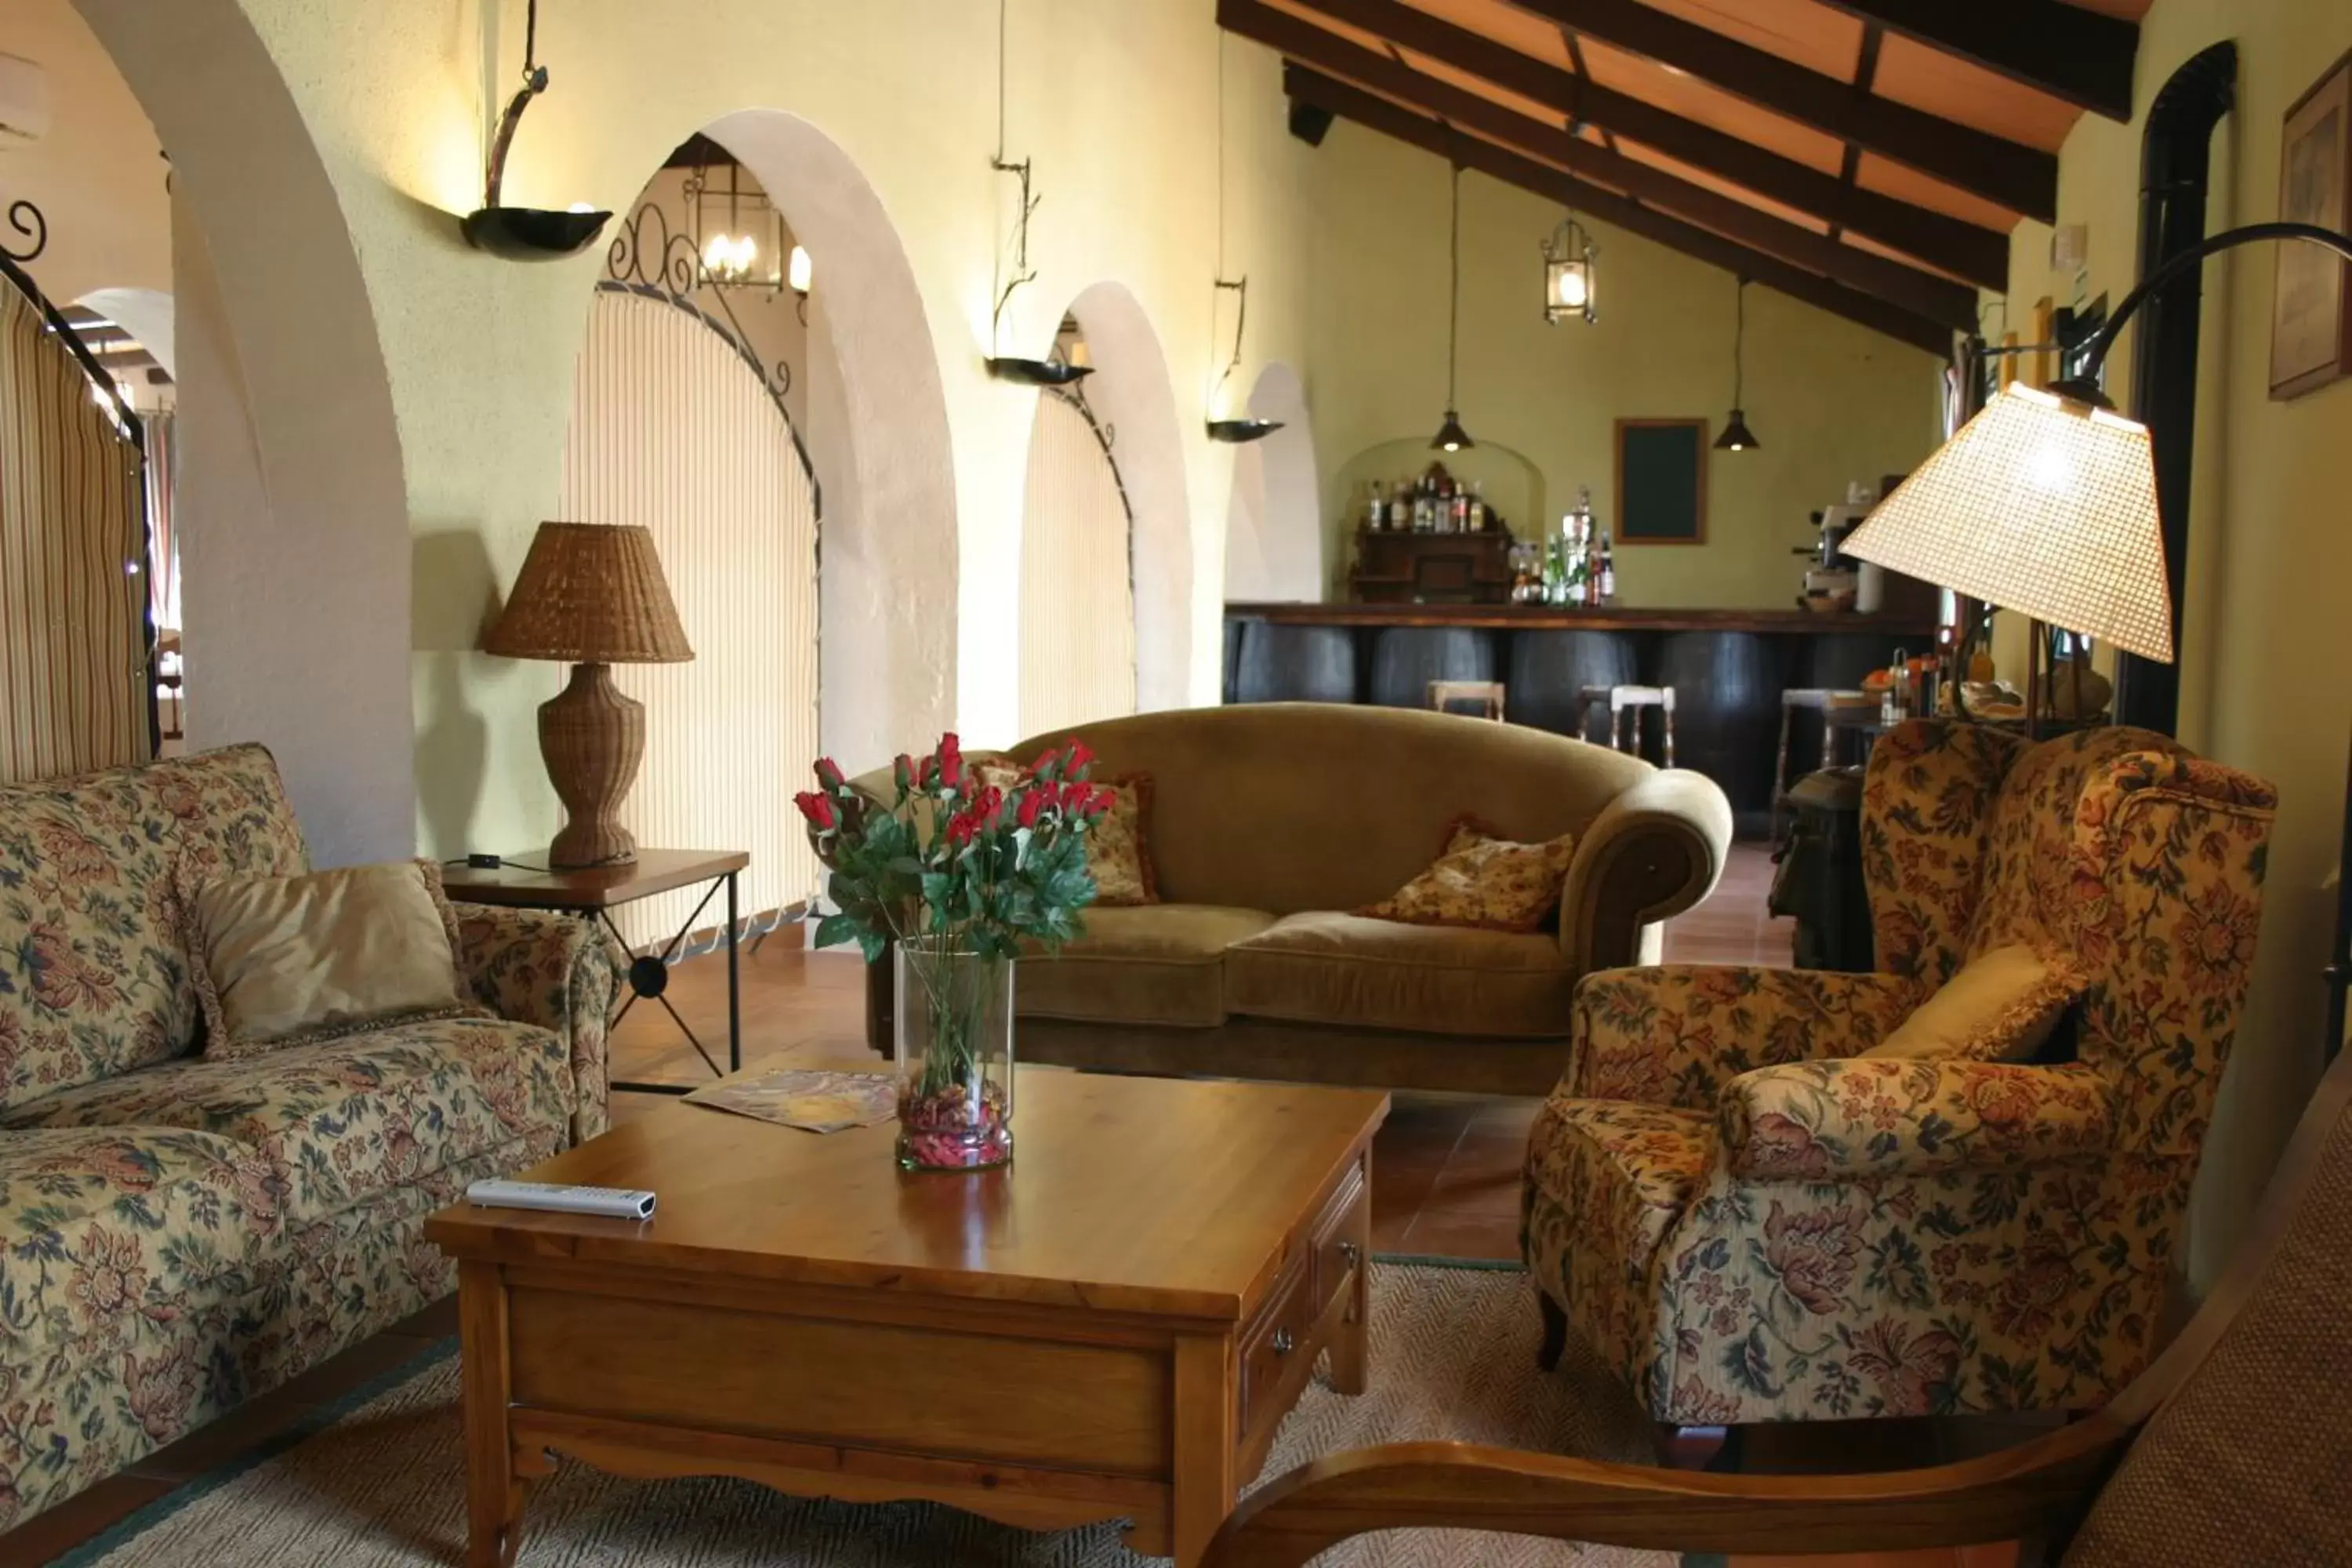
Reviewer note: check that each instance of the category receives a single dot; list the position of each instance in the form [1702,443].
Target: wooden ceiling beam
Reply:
[2079,57]
[1916,290]
[2021,178]
[1979,254]
[1376,113]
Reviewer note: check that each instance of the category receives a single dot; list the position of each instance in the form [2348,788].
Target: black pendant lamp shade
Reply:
[526,234]
[1737,436]
[1451,436]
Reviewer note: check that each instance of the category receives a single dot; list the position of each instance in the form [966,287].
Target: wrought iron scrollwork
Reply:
[647,259]
[26,219]
[648,255]
[1105,435]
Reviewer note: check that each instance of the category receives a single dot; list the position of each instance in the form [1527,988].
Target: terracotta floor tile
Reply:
[1440,1234]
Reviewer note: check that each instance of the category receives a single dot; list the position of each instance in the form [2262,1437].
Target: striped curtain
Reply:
[670,428]
[1077,587]
[73,600]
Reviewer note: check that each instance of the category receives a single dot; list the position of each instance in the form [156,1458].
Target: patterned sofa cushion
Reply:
[102,1227]
[94,976]
[339,1123]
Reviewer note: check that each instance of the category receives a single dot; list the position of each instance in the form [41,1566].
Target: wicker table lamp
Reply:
[593,594]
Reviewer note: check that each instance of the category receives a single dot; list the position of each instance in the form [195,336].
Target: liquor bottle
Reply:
[1400,509]
[1376,514]
[1480,518]
[1555,567]
[1608,570]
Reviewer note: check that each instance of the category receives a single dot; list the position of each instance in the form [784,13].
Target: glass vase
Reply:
[953,1024]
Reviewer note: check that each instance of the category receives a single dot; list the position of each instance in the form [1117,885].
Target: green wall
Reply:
[1831,401]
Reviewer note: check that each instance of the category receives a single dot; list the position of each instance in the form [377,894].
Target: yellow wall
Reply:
[1117,103]
[2270,567]
[1830,401]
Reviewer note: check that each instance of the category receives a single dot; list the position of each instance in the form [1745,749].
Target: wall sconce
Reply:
[526,234]
[799,271]
[1568,272]
[1057,371]
[1239,430]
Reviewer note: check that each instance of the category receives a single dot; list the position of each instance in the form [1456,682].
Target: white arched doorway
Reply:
[879,439]
[675,427]
[1077,582]
[1273,529]
[1131,395]
[293,506]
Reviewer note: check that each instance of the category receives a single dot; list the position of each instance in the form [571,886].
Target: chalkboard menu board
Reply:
[1661,482]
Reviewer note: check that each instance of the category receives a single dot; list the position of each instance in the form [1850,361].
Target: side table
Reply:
[524,882]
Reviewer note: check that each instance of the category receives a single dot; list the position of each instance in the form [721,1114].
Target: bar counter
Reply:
[1727,669]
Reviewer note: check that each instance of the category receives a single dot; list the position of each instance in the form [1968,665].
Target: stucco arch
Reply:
[146,315]
[293,513]
[1130,392]
[878,439]
[1274,530]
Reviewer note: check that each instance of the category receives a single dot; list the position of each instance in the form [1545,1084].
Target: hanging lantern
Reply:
[1568,272]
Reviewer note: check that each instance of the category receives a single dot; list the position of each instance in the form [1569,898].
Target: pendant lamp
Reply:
[526,234]
[1737,436]
[1451,436]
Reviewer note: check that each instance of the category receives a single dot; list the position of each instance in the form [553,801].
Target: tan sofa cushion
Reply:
[2001,1007]
[1323,967]
[1147,963]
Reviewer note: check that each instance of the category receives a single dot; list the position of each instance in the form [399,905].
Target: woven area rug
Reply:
[380,1481]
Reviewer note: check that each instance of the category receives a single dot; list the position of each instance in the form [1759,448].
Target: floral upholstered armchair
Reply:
[1752,1218]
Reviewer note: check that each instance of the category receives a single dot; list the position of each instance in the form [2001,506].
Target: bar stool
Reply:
[1621,697]
[1488,694]
[1818,700]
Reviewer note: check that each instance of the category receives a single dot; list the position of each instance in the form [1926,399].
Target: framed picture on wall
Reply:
[1661,482]
[2311,326]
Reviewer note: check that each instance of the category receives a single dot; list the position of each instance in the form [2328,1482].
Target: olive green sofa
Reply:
[1269,822]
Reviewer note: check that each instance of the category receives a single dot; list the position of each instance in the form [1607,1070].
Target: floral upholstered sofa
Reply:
[177,1234]
[1751,1220]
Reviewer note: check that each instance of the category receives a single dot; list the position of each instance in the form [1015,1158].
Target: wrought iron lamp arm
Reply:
[2084,387]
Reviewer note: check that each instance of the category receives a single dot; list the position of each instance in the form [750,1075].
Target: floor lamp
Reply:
[2045,503]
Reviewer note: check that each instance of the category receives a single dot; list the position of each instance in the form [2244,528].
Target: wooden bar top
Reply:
[1607,618]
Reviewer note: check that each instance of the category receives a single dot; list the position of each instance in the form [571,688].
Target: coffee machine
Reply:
[1836,580]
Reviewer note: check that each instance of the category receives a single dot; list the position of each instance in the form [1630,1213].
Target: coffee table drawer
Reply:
[1276,1354]
[1341,1237]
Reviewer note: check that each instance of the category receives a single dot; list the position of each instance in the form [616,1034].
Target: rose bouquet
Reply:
[965,862]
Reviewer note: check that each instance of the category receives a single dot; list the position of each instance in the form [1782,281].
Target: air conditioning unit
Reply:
[24,100]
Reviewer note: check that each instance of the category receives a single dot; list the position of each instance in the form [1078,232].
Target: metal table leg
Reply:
[649,977]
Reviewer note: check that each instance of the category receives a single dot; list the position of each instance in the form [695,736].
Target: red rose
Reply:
[1101,800]
[817,808]
[1078,758]
[950,759]
[1032,806]
[962,828]
[903,771]
[828,772]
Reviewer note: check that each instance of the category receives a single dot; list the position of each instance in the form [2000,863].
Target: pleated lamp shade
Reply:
[2041,506]
[590,592]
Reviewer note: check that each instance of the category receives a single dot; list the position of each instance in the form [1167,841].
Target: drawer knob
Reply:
[1350,1253]
[1283,1343]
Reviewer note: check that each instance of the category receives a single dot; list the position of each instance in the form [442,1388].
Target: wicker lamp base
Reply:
[592,737]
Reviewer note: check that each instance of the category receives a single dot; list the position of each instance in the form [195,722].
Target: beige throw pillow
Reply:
[1118,850]
[290,961]
[2001,1007]
[1482,879]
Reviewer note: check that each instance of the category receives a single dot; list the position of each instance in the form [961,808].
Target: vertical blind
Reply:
[1077,588]
[73,600]
[672,429]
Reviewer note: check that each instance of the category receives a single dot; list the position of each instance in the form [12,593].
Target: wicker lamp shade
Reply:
[593,594]
[590,592]
[2041,506]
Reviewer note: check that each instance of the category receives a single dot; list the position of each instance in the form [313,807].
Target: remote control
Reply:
[614,1203]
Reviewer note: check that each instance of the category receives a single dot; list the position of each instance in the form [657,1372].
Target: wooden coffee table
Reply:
[1112,1328]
